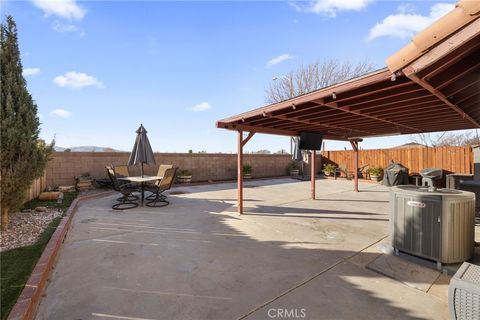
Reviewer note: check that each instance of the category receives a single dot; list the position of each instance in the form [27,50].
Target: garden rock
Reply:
[25,227]
[45,196]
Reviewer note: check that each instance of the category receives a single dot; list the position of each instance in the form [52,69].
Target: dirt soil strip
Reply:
[26,306]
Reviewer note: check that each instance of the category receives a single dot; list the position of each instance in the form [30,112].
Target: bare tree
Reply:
[314,76]
[447,139]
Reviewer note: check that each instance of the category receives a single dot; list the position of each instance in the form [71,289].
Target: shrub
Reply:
[184,172]
[376,171]
[24,156]
[328,168]
[294,166]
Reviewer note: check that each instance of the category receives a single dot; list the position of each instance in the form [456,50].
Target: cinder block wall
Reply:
[64,166]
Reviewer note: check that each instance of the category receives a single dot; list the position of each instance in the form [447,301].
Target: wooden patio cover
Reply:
[431,85]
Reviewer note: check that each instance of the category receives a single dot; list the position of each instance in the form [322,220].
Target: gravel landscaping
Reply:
[23,243]
[26,227]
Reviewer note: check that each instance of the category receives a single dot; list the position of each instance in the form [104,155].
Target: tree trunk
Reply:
[4,218]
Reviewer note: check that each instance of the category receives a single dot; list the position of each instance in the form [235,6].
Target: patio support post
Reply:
[312,174]
[240,172]
[354,144]
[240,143]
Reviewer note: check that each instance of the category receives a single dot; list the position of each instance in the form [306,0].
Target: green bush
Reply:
[184,172]
[328,168]
[376,171]
[24,155]
[294,166]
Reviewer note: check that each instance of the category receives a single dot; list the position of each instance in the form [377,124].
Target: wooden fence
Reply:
[36,188]
[450,159]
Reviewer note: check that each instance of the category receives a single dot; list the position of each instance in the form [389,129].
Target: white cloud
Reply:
[406,8]
[62,27]
[68,9]
[405,25]
[67,27]
[61,113]
[204,106]
[281,58]
[30,72]
[330,8]
[77,80]
[438,10]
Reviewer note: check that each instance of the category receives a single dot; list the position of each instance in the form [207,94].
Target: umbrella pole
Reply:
[143,186]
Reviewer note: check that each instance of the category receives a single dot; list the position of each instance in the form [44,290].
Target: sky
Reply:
[98,69]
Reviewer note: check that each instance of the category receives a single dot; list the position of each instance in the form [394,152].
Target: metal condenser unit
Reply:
[437,224]
[430,176]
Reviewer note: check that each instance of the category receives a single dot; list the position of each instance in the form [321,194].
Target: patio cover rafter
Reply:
[362,118]
[366,115]
[317,124]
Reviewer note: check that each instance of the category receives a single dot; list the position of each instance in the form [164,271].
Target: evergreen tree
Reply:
[23,156]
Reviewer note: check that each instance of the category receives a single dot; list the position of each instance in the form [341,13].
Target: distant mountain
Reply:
[87,149]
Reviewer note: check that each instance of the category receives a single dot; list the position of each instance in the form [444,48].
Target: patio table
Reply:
[142,181]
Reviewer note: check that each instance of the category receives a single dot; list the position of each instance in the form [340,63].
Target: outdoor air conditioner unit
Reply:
[436,224]
[464,293]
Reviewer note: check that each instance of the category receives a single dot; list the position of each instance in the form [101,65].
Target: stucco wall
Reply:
[64,166]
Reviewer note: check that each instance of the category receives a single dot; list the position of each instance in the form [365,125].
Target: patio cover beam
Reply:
[258,129]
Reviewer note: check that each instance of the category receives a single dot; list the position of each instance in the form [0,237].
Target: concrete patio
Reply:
[287,257]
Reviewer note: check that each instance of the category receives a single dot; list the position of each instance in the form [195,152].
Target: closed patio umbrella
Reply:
[297,153]
[142,151]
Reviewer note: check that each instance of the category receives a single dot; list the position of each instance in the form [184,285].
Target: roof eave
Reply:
[465,12]
[370,78]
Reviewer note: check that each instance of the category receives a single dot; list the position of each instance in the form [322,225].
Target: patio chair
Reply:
[121,171]
[363,171]
[160,200]
[342,169]
[161,172]
[339,170]
[126,201]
